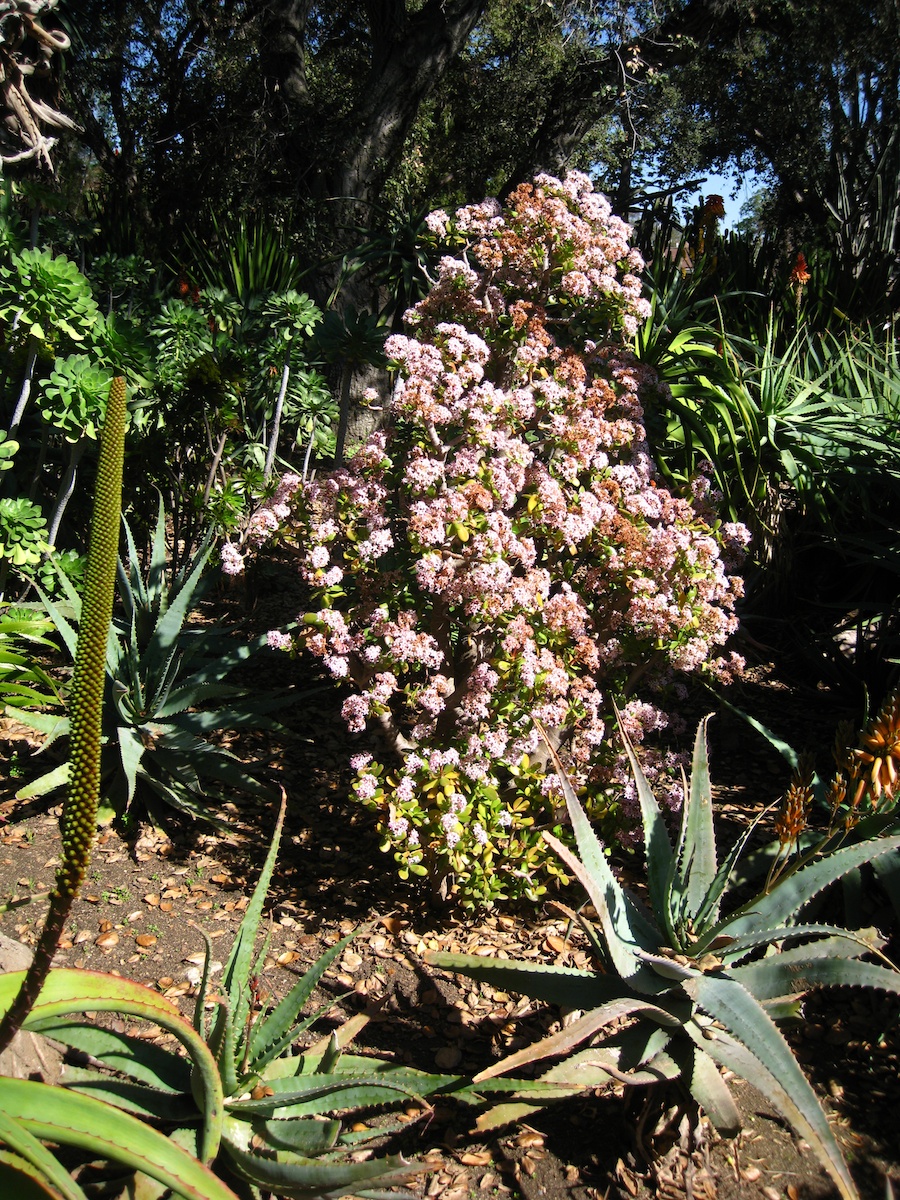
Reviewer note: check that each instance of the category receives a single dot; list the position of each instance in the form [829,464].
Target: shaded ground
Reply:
[146,900]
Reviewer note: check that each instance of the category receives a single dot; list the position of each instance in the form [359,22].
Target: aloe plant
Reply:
[161,676]
[704,974]
[273,1108]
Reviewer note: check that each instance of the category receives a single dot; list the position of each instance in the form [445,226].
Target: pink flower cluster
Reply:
[505,550]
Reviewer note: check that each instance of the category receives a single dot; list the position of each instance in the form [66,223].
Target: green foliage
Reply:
[248,257]
[8,448]
[22,531]
[23,681]
[33,1113]
[162,675]
[265,1115]
[45,297]
[74,397]
[704,972]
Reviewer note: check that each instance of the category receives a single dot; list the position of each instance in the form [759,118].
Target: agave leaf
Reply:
[69,1119]
[63,626]
[572,1035]
[131,751]
[131,583]
[339,1090]
[307,1180]
[301,1137]
[247,717]
[887,869]
[142,1060]
[625,927]
[694,867]
[768,1064]
[42,786]
[626,931]
[708,1088]
[41,1165]
[792,891]
[708,912]
[657,846]
[156,575]
[163,645]
[274,1033]
[566,986]
[804,967]
[855,941]
[237,970]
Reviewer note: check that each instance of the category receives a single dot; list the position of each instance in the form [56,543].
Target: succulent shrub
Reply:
[704,971]
[23,531]
[74,395]
[45,297]
[505,545]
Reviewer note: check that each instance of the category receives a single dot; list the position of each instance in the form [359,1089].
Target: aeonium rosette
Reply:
[503,550]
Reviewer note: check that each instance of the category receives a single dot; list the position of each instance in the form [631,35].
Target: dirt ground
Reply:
[146,899]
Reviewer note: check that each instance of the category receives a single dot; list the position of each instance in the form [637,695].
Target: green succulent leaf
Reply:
[35,1161]
[793,891]
[770,1060]
[290,1176]
[66,1118]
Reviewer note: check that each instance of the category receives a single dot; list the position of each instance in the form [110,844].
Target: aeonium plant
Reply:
[505,547]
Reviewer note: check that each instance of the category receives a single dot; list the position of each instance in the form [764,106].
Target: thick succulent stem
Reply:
[79,819]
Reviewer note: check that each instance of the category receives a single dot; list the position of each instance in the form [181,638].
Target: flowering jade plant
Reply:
[504,547]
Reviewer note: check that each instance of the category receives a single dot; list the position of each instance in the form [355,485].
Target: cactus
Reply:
[82,796]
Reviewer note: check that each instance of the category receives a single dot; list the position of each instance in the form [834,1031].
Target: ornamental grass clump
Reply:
[504,548]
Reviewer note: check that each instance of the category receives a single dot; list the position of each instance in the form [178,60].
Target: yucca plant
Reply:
[162,676]
[703,973]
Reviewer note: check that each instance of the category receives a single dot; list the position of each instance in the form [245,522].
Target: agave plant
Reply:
[162,674]
[703,973]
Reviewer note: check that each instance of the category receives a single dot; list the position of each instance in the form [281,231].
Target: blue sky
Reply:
[724,185]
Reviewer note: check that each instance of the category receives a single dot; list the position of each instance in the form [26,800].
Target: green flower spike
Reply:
[83,793]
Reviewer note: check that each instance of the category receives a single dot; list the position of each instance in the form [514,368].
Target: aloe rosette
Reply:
[706,981]
[271,1118]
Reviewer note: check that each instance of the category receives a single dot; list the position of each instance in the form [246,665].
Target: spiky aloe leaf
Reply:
[796,971]
[66,1118]
[134,1098]
[79,819]
[856,942]
[566,986]
[289,1176]
[273,1034]
[626,926]
[703,1078]
[793,891]
[660,856]
[35,1159]
[694,868]
[68,991]
[768,1063]
[142,1060]
[307,1137]
[578,1031]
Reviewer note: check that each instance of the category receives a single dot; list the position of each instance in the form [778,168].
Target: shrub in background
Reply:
[504,548]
